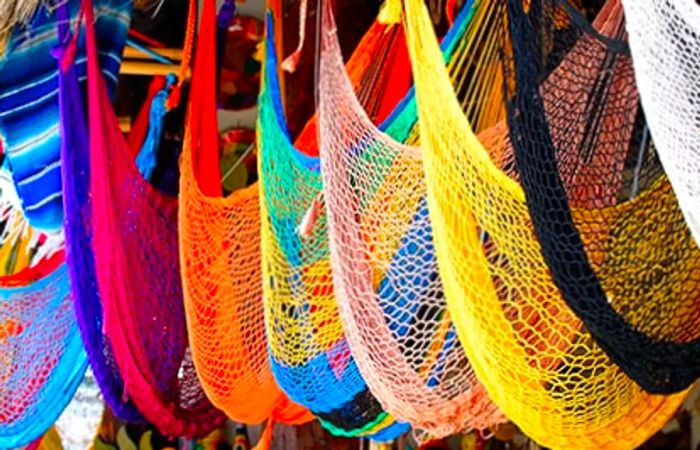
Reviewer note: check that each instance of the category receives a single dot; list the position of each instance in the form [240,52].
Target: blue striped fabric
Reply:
[29,116]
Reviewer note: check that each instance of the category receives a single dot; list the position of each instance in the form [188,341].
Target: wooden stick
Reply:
[131,67]
[171,53]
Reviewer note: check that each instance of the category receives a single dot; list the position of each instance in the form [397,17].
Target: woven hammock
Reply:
[664,37]
[42,360]
[629,267]
[29,115]
[310,357]
[75,160]
[221,266]
[533,356]
[384,266]
[136,261]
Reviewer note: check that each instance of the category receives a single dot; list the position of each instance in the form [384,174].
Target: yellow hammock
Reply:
[527,348]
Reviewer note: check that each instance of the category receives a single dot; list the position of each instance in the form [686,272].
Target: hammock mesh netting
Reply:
[628,266]
[221,266]
[384,266]
[135,247]
[42,360]
[531,353]
[75,176]
[310,356]
[664,37]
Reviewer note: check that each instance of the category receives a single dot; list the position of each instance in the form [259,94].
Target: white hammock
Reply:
[664,36]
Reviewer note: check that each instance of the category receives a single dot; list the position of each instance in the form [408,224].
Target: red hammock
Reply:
[136,258]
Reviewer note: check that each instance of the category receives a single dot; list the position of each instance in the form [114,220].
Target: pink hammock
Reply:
[136,258]
[384,269]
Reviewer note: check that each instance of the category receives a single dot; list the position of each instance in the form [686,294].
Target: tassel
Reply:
[450,10]
[290,63]
[147,159]
[390,14]
[266,437]
[308,222]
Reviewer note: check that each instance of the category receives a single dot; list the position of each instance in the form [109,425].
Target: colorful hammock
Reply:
[29,116]
[220,264]
[533,356]
[136,262]
[664,37]
[309,355]
[384,267]
[630,270]
[75,164]
[42,361]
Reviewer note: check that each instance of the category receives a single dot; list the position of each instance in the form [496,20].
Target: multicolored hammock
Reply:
[136,262]
[384,266]
[628,267]
[42,361]
[309,355]
[533,356]
[221,266]
[75,164]
[664,37]
[29,115]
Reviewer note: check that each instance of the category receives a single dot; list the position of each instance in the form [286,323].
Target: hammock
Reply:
[384,266]
[630,270]
[29,116]
[136,263]
[42,361]
[75,159]
[309,355]
[536,361]
[220,264]
[664,37]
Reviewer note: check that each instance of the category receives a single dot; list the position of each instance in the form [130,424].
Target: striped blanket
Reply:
[29,116]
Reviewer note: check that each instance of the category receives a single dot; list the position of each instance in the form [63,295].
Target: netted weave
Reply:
[664,37]
[628,266]
[136,262]
[531,353]
[221,266]
[309,354]
[42,360]
[384,267]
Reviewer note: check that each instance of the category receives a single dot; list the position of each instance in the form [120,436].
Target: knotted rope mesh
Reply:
[664,37]
[310,356]
[384,267]
[531,353]
[42,360]
[136,262]
[221,267]
[627,266]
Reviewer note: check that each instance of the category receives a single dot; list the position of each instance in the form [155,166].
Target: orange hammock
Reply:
[220,266]
[220,256]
